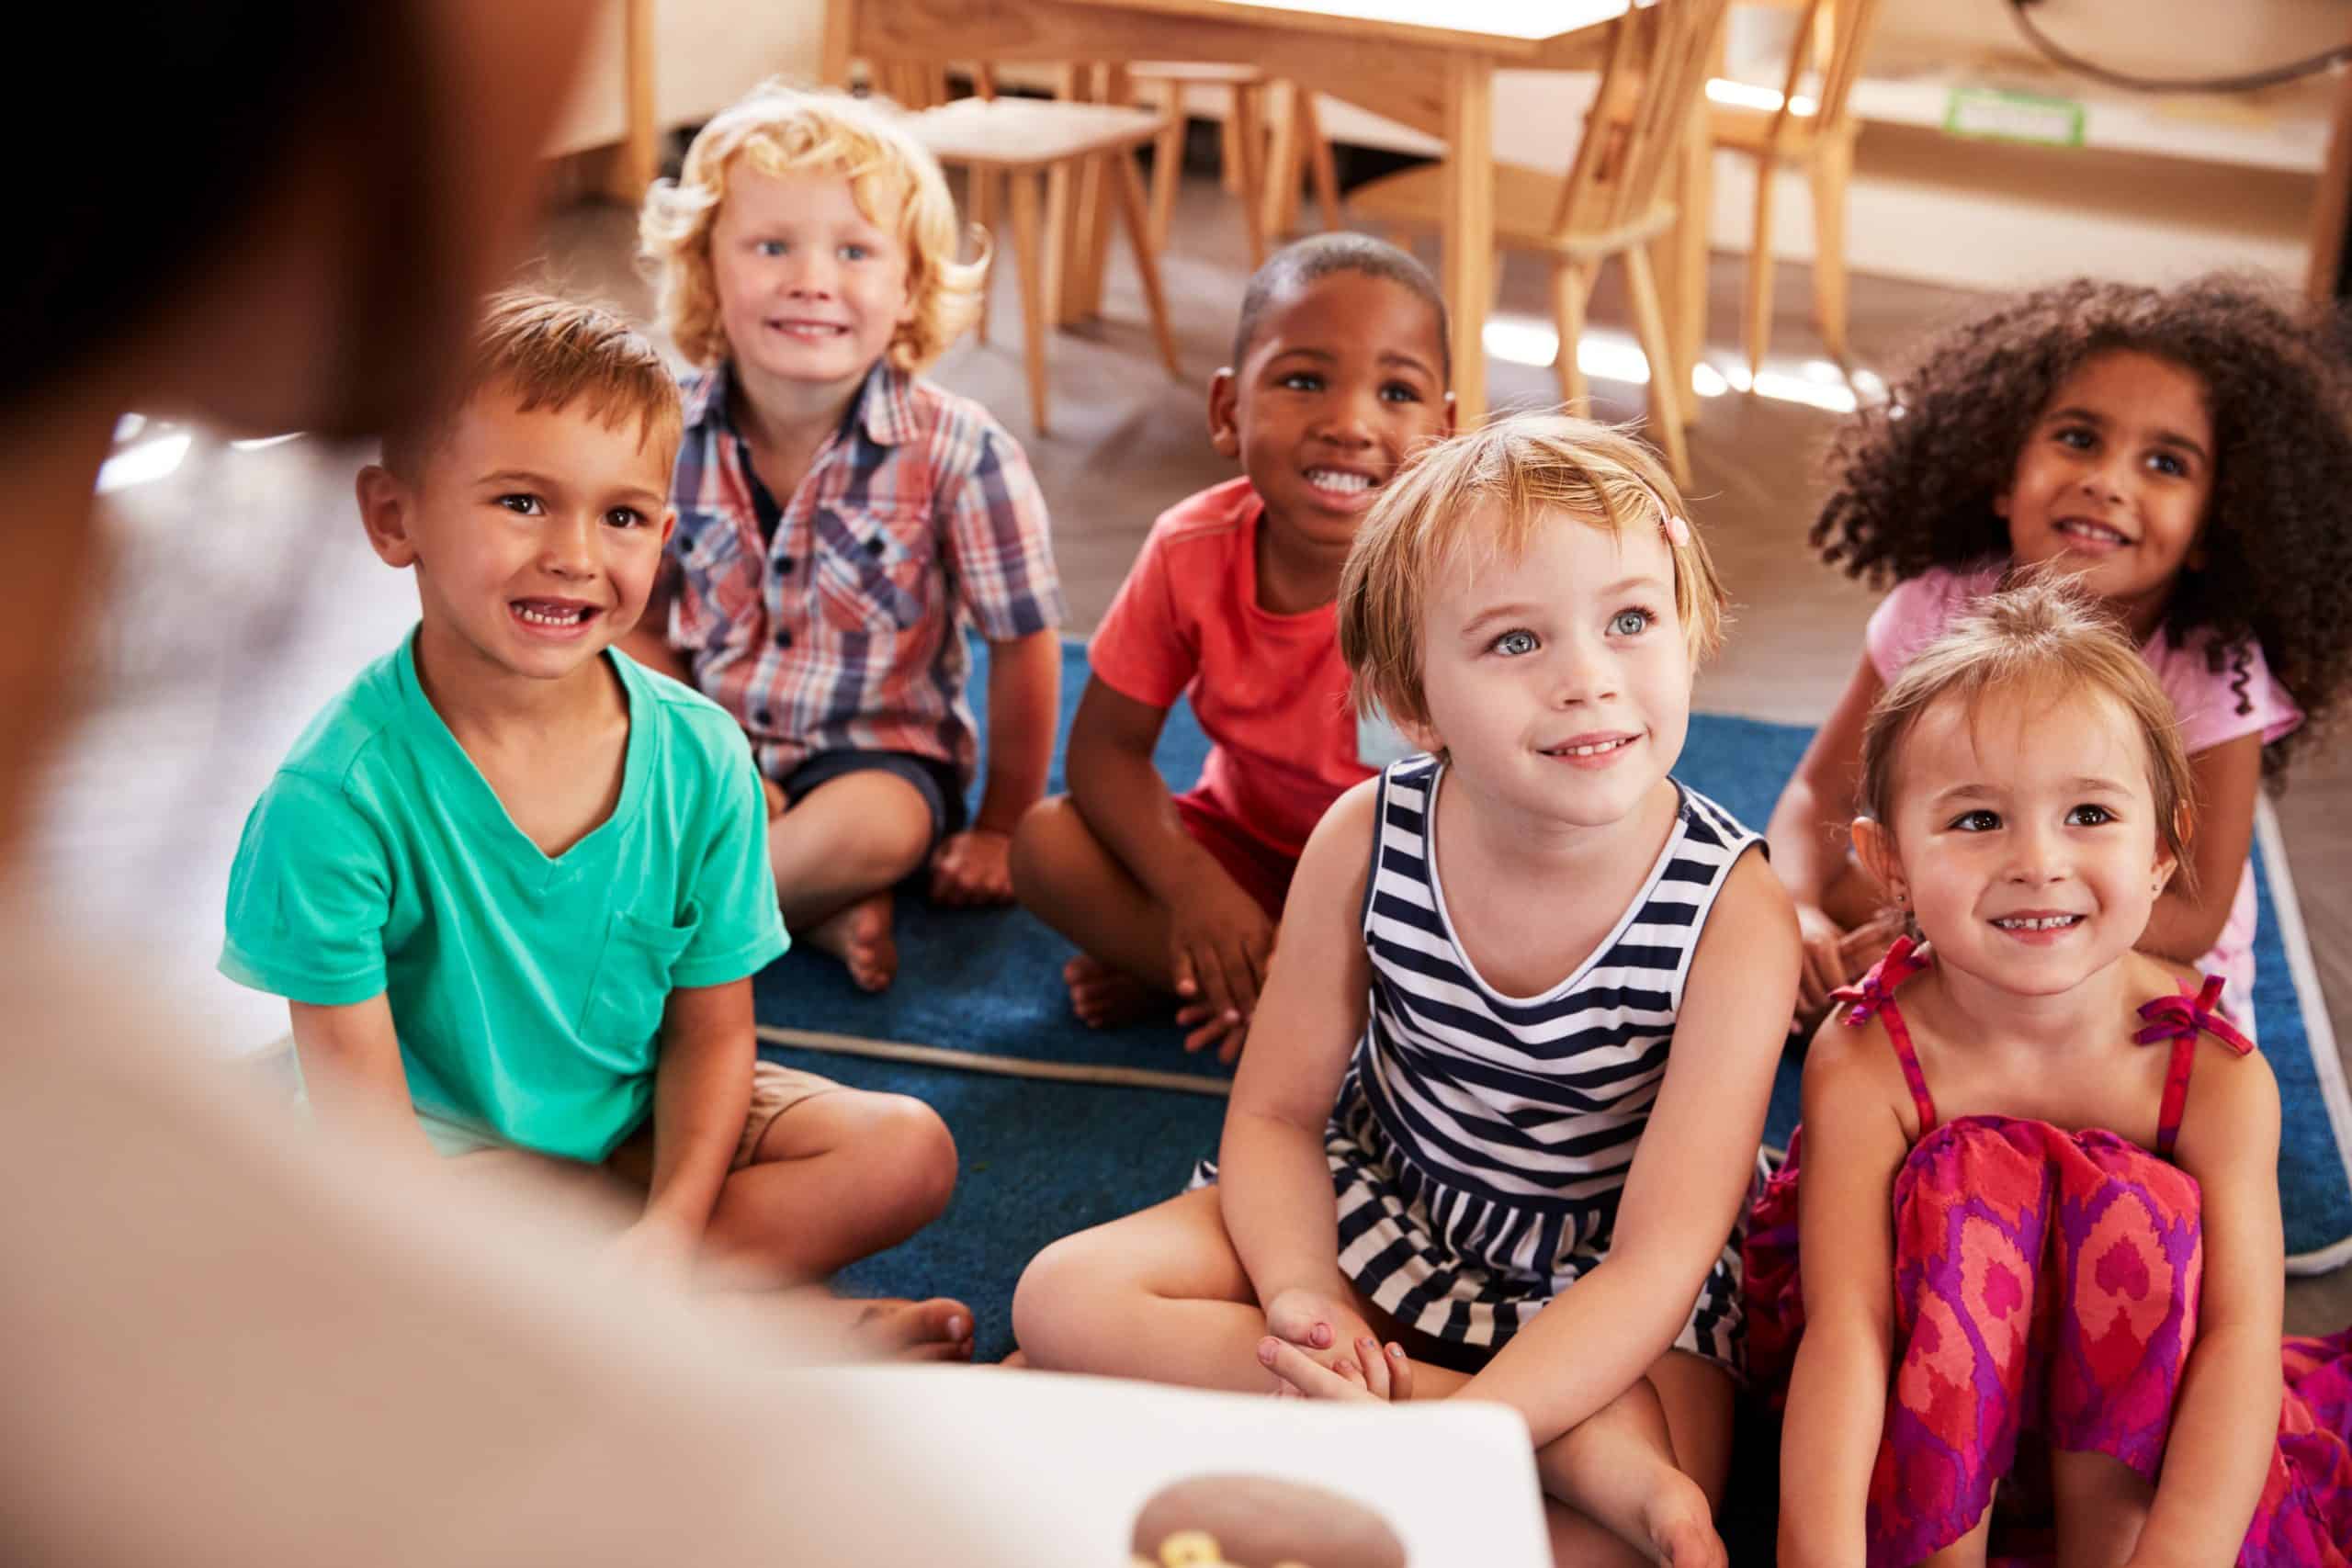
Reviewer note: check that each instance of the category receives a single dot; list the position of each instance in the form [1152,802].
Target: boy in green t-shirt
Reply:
[514,886]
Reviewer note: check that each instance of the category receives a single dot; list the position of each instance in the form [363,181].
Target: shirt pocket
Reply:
[631,985]
[716,589]
[874,568]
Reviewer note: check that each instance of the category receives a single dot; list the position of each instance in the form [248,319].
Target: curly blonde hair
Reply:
[1528,467]
[781,131]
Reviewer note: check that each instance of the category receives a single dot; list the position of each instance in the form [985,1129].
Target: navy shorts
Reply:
[939,783]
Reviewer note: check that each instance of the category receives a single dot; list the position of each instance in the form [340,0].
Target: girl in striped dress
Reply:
[1522,1020]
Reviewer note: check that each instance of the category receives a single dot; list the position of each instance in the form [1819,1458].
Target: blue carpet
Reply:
[1041,1159]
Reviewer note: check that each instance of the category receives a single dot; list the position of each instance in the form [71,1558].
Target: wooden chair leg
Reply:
[1668,378]
[1250,132]
[1571,287]
[1758,319]
[1056,269]
[1228,154]
[980,184]
[1030,257]
[1285,162]
[1832,161]
[1167,166]
[1319,162]
[1131,206]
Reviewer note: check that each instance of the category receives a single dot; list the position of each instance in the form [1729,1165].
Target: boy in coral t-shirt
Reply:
[1340,369]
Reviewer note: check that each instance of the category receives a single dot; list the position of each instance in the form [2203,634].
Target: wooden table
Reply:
[1377,53]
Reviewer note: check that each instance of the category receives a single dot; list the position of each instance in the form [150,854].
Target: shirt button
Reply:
[762,717]
[784,639]
[784,565]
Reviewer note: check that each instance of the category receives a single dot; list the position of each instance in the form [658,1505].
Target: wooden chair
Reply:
[1017,140]
[1816,130]
[1265,177]
[1616,200]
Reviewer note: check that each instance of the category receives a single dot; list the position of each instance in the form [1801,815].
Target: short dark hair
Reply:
[1316,257]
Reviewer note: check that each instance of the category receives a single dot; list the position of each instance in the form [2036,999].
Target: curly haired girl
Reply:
[2186,454]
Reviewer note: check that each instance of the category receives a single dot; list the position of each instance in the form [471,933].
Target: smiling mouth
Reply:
[545,613]
[814,330]
[2039,922]
[2091,532]
[1340,481]
[1592,747]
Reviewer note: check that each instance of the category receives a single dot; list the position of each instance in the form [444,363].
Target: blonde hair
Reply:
[2042,634]
[1516,472]
[780,131]
[551,353]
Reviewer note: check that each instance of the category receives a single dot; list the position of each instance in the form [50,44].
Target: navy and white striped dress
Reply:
[1481,1141]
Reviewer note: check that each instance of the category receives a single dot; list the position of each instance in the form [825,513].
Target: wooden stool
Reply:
[1020,140]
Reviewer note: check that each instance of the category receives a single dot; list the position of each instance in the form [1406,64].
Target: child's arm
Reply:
[2225,1417]
[1274,1180]
[352,1077]
[2188,920]
[1689,1178]
[1221,939]
[1810,824]
[702,1092]
[1854,1143]
[1025,705]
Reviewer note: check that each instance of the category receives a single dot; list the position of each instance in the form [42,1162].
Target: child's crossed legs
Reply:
[826,1175]
[1127,936]
[845,828]
[1162,1296]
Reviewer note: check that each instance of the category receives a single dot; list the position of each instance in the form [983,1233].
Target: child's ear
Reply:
[1445,416]
[669,527]
[2167,867]
[1874,847]
[1225,407]
[386,509]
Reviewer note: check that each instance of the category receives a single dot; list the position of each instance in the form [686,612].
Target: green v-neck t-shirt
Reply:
[526,990]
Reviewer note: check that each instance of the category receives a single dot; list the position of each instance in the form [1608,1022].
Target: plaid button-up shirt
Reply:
[919,516]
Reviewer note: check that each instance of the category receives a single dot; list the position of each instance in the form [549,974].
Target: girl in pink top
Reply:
[2184,455]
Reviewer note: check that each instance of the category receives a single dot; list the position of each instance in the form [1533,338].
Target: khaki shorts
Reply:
[775,1090]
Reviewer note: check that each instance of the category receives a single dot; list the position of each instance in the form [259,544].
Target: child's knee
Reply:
[913,1157]
[1051,1302]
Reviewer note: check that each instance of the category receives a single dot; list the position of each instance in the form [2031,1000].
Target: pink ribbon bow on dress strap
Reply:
[2189,1014]
[1901,961]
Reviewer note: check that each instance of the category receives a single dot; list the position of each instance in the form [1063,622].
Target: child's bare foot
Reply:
[860,937]
[1105,997]
[935,1330]
[1680,1523]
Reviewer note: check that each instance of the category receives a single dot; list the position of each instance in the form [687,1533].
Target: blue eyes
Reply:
[1519,642]
[852,251]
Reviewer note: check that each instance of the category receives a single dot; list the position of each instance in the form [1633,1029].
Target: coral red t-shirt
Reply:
[1271,691]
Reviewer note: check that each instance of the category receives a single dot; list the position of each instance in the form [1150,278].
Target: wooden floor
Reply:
[246,595]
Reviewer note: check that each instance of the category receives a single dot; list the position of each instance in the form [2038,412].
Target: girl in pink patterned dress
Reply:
[2039,1219]
[2185,454]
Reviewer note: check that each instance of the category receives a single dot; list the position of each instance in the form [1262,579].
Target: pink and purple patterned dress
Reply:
[2046,1289]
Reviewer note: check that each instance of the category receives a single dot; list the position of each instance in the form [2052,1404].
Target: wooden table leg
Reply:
[1111,87]
[1029,258]
[1284,161]
[1469,220]
[639,156]
[1685,281]
[841,29]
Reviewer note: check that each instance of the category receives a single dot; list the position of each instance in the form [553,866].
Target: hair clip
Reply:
[1678,532]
